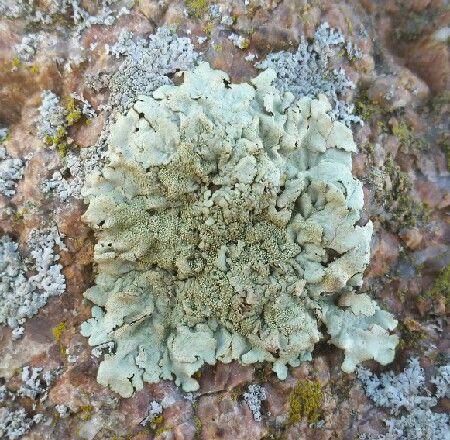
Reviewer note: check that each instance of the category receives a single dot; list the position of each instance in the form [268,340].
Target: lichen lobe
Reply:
[226,221]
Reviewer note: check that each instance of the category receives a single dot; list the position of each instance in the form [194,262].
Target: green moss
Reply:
[86,412]
[58,331]
[305,402]
[73,113]
[207,29]
[59,140]
[365,107]
[198,427]
[197,8]
[444,144]
[410,25]
[263,372]
[6,138]
[235,393]
[273,434]
[18,215]
[402,210]
[439,101]
[33,69]
[157,425]
[16,63]
[245,44]
[408,141]
[441,286]
[410,334]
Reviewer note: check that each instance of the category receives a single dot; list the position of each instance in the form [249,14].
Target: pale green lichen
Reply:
[226,220]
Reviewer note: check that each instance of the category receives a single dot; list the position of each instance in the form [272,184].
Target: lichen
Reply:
[226,220]
[153,412]
[26,49]
[309,71]
[15,423]
[55,120]
[21,295]
[50,12]
[305,402]
[35,383]
[11,171]
[406,396]
[253,397]
[148,63]
[239,41]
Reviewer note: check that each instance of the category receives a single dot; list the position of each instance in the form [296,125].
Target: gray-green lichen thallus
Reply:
[227,223]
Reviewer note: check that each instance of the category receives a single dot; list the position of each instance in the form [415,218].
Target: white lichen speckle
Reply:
[11,171]
[15,420]
[406,396]
[308,71]
[154,410]
[26,49]
[148,63]
[63,411]
[254,396]
[21,296]
[15,423]
[239,41]
[52,115]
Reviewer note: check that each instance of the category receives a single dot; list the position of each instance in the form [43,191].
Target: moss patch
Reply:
[441,286]
[366,108]
[411,334]
[59,140]
[408,141]
[58,331]
[198,427]
[197,8]
[305,402]
[86,412]
[404,210]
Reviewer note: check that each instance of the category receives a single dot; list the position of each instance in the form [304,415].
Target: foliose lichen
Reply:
[50,11]
[15,420]
[254,397]
[11,171]
[15,423]
[406,396]
[147,63]
[309,71]
[21,294]
[227,228]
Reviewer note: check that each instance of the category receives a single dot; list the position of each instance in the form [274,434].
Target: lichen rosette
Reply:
[227,222]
